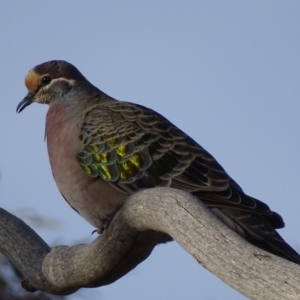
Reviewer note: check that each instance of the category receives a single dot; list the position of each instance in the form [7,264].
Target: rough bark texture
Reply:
[131,237]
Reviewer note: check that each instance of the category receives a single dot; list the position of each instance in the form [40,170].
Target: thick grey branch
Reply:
[131,237]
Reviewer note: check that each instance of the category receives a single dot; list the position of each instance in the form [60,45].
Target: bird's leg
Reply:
[105,225]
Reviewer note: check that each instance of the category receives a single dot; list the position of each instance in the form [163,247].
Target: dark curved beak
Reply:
[26,101]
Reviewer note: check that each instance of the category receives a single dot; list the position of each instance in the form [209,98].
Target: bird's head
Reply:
[50,81]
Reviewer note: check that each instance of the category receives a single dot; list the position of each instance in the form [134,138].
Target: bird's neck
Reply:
[82,96]
[70,110]
[60,120]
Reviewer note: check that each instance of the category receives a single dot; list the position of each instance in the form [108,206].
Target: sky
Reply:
[225,72]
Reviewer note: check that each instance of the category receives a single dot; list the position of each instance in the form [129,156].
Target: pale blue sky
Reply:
[225,72]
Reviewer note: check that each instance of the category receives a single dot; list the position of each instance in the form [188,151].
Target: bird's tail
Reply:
[256,229]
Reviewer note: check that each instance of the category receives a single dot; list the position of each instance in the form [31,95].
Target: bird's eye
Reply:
[46,80]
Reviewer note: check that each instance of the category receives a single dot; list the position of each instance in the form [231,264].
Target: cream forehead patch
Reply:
[33,80]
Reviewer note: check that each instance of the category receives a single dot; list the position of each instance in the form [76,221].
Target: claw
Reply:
[104,226]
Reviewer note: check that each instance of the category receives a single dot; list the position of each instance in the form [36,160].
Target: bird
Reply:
[101,150]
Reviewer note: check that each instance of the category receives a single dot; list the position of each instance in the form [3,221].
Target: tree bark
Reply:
[137,228]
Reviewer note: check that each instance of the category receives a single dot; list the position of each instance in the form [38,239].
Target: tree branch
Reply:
[131,237]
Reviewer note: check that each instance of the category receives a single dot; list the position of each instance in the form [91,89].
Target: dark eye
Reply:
[46,80]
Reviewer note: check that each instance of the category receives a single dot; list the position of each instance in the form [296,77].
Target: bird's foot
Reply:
[104,226]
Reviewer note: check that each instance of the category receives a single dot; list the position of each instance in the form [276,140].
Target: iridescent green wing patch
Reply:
[112,157]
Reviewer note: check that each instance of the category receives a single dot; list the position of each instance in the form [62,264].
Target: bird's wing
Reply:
[133,147]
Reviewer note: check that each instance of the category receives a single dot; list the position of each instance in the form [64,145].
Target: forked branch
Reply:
[142,223]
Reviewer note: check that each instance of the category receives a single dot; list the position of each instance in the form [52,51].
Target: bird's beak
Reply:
[26,101]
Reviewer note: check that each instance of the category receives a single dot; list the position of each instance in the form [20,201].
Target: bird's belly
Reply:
[94,199]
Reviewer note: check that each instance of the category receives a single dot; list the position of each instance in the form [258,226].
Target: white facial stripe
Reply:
[53,81]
